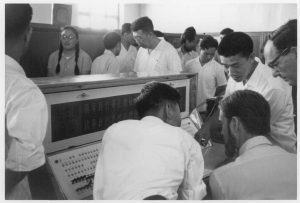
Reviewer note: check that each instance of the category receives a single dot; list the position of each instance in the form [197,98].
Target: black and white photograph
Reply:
[149,100]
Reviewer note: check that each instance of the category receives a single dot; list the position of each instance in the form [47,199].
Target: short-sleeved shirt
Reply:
[278,93]
[67,64]
[261,171]
[141,158]
[185,57]
[126,58]
[106,63]
[162,60]
[26,117]
[210,76]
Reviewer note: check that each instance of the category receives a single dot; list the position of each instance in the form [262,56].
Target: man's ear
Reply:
[252,56]
[27,35]
[294,50]
[234,126]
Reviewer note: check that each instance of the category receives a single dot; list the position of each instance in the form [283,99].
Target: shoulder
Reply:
[83,54]
[18,86]
[169,46]
[273,83]
[54,54]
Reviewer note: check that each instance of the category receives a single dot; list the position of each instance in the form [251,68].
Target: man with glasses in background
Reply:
[280,53]
[236,51]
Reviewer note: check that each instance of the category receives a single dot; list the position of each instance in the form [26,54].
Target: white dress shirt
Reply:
[185,57]
[26,117]
[106,63]
[210,76]
[261,171]
[126,58]
[278,94]
[162,60]
[140,158]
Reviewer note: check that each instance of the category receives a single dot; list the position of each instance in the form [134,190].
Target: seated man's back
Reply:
[262,172]
[151,156]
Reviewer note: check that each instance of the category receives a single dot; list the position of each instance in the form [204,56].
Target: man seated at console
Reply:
[261,170]
[152,156]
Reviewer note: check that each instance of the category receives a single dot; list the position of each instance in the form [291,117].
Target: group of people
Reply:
[153,158]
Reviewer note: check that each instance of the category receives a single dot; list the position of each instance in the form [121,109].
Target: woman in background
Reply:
[69,59]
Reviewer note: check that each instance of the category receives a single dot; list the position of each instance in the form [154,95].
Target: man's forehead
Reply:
[138,33]
[210,50]
[270,51]
[232,59]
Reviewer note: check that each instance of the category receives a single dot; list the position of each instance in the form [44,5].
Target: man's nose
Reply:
[276,73]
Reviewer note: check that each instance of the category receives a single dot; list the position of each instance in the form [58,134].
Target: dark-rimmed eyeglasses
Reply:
[272,64]
[68,36]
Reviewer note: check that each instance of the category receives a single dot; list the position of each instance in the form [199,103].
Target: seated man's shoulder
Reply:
[83,53]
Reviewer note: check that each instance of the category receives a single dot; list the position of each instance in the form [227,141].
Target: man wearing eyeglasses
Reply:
[280,53]
[236,51]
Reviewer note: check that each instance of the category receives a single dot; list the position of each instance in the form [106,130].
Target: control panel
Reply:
[74,170]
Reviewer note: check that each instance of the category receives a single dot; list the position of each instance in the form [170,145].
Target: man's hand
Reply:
[203,135]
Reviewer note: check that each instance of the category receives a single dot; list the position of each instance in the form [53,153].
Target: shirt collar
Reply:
[254,78]
[160,44]
[108,52]
[152,119]
[254,142]
[13,65]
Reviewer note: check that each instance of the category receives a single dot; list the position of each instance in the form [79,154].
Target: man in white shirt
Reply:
[107,62]
[236,52]
[187,50]
[211,76]
[26,114]
[150,157]
[261,170]
[128,52]
[155,56]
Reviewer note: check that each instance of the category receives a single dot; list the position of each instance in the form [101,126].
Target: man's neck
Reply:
[202,63]
[125,44]
[154,42]
[183,49]
[253,67]
[13,50]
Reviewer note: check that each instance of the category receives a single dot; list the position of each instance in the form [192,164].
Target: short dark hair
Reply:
[126,28]
[153,95]
[158,33]
[285,36]
[17,19]
[236,43]
[209,42]
[144,23]
[251,108]
[226,31]
[188,34]
[111,39]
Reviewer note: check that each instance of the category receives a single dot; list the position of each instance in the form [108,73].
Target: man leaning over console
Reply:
[152,156]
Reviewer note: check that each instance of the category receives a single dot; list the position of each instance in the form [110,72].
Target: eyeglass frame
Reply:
[68,37]
[283,53]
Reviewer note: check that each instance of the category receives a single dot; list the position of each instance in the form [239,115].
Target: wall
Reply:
[42,13]
[214,17]
[204,17]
